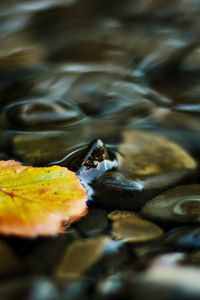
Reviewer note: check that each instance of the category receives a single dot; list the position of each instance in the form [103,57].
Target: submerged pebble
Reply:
[132,229]
[82,255]
[40,148]
[115,190]
[180,205]
[148,154]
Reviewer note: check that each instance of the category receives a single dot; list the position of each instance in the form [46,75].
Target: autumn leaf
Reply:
[38,201]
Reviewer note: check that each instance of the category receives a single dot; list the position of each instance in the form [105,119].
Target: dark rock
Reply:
[115,190]
[95,223]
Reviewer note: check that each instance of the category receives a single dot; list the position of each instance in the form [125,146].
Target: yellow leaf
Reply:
[38,201]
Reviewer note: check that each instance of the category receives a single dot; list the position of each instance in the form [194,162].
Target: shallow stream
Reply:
[117,82]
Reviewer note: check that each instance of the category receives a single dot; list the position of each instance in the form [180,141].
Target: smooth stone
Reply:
[131,229]
[44,147]
[116,190]
[147,154]
[82,255]
[95,223]
[185,237]
[43,114]
[180,205]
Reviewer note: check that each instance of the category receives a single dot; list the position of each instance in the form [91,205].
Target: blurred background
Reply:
[74,70]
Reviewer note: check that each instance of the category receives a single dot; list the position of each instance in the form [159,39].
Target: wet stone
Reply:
[117,190]
[95,223]
[43,147]
[90,161]
[97,160]
[179,205]
[82,255]
[131,229]
[149,154]
[187,237]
